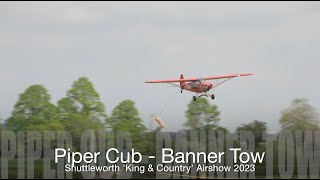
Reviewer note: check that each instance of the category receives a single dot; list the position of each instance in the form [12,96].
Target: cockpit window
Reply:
[195,83]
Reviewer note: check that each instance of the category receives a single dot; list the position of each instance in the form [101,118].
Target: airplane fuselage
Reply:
[197,87]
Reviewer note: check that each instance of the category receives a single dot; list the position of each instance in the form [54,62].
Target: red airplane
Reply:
[199,85]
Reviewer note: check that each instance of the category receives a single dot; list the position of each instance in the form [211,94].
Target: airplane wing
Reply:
[173,80]
[226,76]
[196,79]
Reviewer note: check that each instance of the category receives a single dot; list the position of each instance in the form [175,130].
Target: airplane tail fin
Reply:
[181,83]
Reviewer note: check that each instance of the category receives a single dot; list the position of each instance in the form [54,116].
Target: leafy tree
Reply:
[125,117]
[2,126]
[299,116]
[81,109]
[201,114]
[83,99]
[34,110]
[256,127]
[67,111]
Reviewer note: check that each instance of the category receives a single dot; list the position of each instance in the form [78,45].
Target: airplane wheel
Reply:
[194,98]
[212,96]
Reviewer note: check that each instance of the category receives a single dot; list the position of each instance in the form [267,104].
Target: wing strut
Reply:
[218,82]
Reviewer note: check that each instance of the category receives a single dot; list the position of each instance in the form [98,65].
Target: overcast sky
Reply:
[119,45]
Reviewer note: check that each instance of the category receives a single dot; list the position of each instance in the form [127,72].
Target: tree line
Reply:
[82,109]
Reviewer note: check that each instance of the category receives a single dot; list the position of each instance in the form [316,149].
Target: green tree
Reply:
[201,114]
[67,110]
[85,100]
[82,109]
[82,101]
[33,111]
[256,127]
[299,116]
[2,126]
[125,117]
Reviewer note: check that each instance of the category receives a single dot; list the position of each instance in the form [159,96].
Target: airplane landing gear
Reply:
[204,94]
[212,96]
